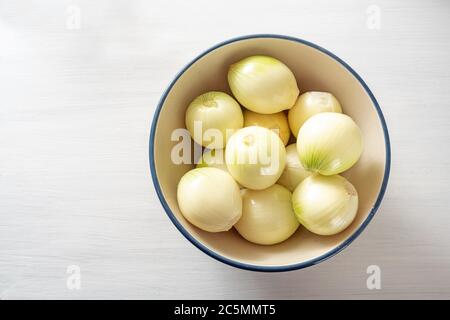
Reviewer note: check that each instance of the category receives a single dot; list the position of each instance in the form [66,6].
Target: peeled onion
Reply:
[325,205]
[210,199]
[212,117]
[329,143]
[309,104]
[263,84]
[267,215]
[213,158]
[276,122]
[293,173]
[255,157]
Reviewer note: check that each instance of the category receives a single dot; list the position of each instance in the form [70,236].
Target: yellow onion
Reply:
[276,122]
[267,215]
[309,104]
[263,84]
[255,157]
[329,143]
[212,117]
[325,205]
[210,199]
[293,173]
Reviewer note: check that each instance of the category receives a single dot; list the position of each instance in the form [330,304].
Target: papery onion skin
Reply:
[309,104]
[263,84]
[325,205]
[255,157]
[293,173]
[276,122]
[329,143]
[210,199]
[267,215]
[214,110]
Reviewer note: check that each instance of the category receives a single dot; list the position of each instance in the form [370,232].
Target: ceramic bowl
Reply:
[315,69]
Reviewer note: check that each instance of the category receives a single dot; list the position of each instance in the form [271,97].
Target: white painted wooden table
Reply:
[79,82]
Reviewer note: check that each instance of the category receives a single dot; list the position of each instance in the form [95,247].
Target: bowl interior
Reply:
[314,70]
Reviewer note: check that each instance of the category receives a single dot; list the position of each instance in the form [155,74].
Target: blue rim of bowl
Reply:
[252,267]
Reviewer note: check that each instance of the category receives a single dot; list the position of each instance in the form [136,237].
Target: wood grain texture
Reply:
[75,112]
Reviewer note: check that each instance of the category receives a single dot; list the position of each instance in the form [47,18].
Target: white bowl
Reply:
[315,69]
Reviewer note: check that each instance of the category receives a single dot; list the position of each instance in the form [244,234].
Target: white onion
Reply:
[212,117]
[255,157]
[309,104]
[293,173]
[329,143]
[210,199]
[325,205]
[267,215]
[214,158]
[276,122]
[263,84]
